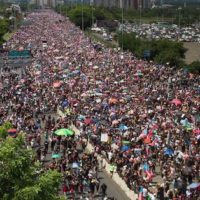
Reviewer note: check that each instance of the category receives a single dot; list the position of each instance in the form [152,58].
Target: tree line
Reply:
[4,27]
[161,51]
[184,16]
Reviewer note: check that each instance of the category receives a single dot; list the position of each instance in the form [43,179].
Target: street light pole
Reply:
[15,20]
[82,15]
[122,27]
[179,17]
[92,14]
[140,11]
[66,7]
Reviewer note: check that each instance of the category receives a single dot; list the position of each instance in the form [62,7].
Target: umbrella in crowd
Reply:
[125,142]
[87,121]
[57,156]
[194,186]
[75,165]
[12,132]
[125,148]
[168,151]
[106,92]
[177,102]
[123,127]
[64,132]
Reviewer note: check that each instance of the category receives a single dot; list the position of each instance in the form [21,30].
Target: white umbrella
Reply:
[75,165]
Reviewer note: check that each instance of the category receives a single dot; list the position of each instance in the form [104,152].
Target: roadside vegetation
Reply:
[21,177]
[160,51]
[186,16]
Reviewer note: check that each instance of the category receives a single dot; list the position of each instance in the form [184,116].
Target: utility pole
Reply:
[179,17]
[92,4]
[15,20]
[82,15]
[161,3]
[122,27]
[185,3]
[66,6]
[140,12]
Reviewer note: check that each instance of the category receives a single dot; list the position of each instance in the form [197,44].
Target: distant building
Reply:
[146,4]
[126,4]
[44,3]
[135,4]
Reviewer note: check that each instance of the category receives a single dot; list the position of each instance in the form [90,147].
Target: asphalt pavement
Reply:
[113,188]
[114,191]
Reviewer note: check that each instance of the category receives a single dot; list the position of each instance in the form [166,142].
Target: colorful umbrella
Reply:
[75,165]
[126,142]
[81,117]
[65,103]
[64,132]
[76,72]
[114,122]
[145,167]
[147,140]
[196,131]
[22,81]
[139,73]
[21,48]
[125,148]
[193,186]
[176,102]
[12,130]
[87,121]
[123,127]
[57,84]
[113,101]
[56,156]
[168,151]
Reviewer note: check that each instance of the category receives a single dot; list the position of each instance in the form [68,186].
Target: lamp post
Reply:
[140,12]
[179,17]
[122,27]
[14,18]
[82,19]
[92,4]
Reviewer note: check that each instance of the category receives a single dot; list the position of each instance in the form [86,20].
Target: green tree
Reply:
[188,15]
[46,187]
[165,51]
[162,51]
[194,67]
[101,14]
[4,128]
[21,177]
[75,16]
[130,42]
[4,26]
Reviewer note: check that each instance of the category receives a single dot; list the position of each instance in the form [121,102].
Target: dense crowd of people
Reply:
[149,113]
